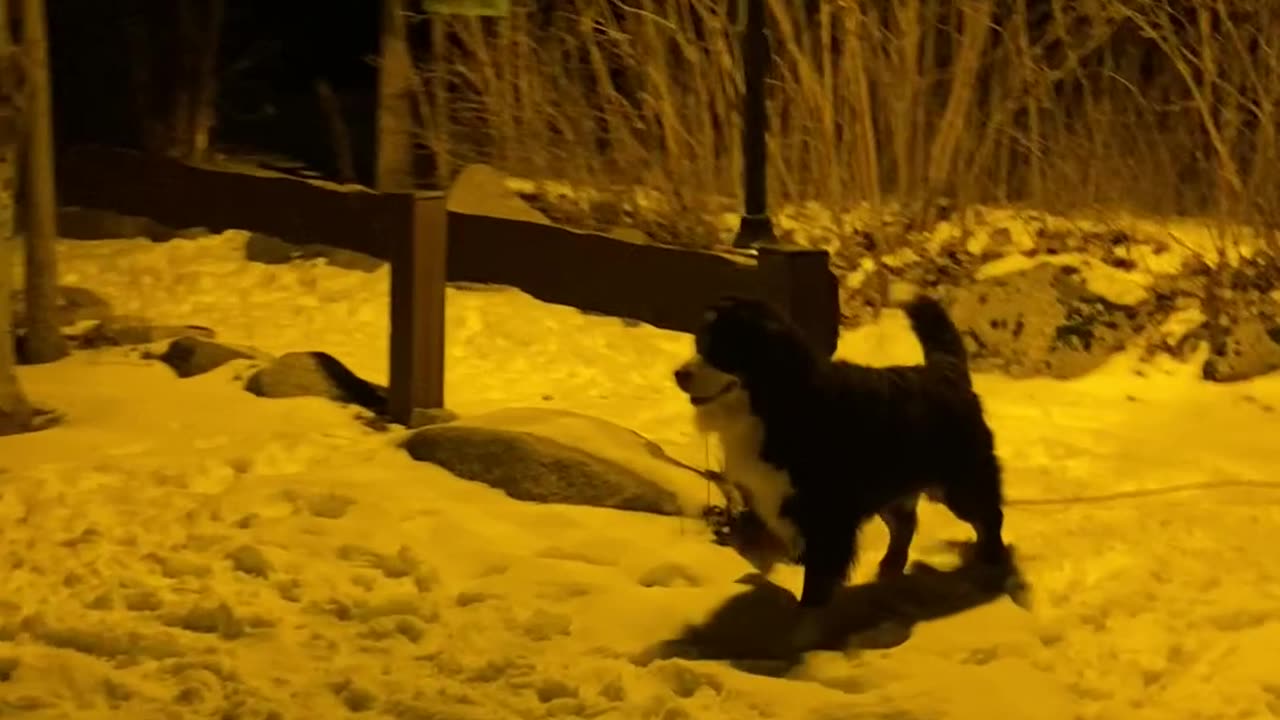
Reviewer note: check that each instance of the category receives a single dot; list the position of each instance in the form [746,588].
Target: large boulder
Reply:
[1042,321]
[1244,338]
[190,356]
[557,456]
[316,374]
[270,250]
[75,305]
[482,190]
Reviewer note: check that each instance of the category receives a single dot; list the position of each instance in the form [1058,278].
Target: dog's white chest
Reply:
[766,486]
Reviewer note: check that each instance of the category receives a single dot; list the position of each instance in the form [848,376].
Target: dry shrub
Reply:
[1155,106]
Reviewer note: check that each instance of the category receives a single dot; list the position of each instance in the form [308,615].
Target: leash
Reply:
[1119,496]
[706,462]
[1144,493]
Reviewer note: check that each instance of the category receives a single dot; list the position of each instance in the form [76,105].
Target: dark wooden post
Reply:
[418,262]
[755,227]
[800,283]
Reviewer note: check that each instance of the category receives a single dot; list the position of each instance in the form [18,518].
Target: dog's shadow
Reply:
[754,630]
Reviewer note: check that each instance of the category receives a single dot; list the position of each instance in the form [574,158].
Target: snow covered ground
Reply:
[182,549]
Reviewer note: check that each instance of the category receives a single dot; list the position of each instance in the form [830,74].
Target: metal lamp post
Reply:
[755,228]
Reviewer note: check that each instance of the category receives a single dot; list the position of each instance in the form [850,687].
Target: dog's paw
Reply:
[807,631]
[890,571]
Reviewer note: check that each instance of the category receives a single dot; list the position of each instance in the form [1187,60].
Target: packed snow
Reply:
[183,549]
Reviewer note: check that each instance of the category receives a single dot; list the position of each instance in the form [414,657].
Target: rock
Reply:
[343,258]
[426,417]
[546,455]
[33,420]
[119,330]
[75,305]
[270,250]
[482,190]
[76,223]
[528,467]
[192,233]
[1040,322]
[191,356]
[1246,339]
[316,374]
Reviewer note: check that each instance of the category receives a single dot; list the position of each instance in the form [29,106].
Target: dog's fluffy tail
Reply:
[938,335]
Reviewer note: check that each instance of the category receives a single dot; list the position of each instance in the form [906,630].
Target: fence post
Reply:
[418,257]
[800,283]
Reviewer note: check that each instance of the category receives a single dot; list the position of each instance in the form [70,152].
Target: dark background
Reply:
[271,53]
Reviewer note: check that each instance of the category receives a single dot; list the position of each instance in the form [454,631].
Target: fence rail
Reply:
[664,286]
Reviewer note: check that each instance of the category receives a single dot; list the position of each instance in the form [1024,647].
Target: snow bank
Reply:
[182,548]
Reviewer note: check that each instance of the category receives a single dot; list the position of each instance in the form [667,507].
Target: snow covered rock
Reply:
[482,190]
[77,223]
[75,305]
[426,417]
[1041,321]
[546,455]
[344,258]
[1247,342]
[316,374]
[120,330]
[191,356]
[270,250]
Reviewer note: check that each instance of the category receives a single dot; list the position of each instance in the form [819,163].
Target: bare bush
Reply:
[1155,106]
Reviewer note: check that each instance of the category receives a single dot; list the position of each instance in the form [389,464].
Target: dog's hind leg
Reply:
[900,517]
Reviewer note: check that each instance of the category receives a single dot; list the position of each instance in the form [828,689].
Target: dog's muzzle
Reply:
[700,400]
[687,380]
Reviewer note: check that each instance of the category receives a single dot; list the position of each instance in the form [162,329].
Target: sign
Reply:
[498,8]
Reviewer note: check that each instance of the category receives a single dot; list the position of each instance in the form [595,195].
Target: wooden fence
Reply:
[664,286]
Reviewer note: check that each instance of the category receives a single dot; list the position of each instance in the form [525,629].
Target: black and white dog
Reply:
[816,446]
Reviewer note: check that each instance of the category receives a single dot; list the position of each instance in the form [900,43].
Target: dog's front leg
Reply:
[820,585]
[825,571]
[827,557]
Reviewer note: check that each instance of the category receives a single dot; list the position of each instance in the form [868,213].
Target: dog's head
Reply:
[743,346]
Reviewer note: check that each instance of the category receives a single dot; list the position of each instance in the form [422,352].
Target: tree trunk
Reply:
[182,92]
[44,341]
[205,111]
[343,159]
[395,102]
[394,169]
[15,410]
[177,106]
[142,85]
